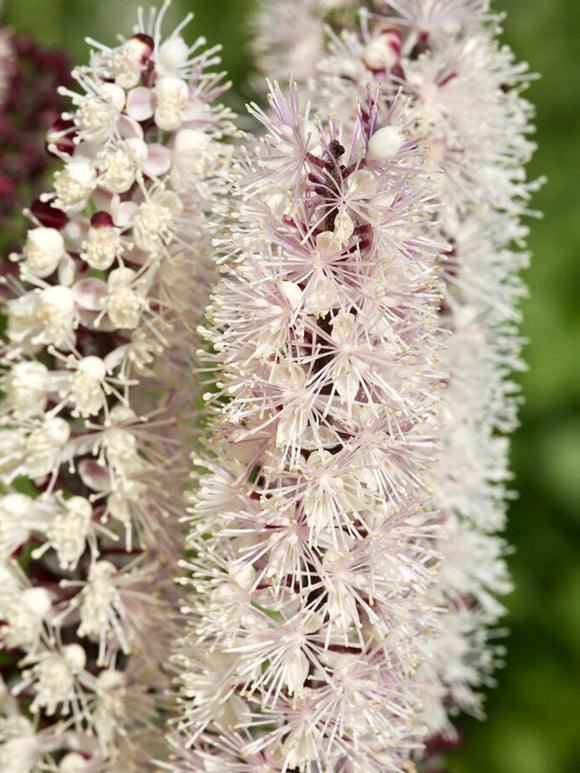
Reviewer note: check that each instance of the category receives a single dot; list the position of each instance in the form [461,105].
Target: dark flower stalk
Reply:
[29,105]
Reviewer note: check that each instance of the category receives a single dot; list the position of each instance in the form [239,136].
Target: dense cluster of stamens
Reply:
[343,562]
[96,418]
[312,529]
[465,100]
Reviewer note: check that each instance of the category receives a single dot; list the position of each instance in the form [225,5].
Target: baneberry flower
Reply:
[347,560]
[463,98]
[312,611]
[97,410]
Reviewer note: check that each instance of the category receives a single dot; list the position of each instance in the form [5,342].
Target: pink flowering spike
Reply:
[461,92]
[313,578]
[98,408]
[458,96]
[290,34]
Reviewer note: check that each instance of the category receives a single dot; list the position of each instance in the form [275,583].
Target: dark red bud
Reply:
[102,220]
[47,215]
[65,132]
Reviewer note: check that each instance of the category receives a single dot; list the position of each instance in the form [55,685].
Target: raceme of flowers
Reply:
[465,100]
[97,408]
[313,590]
[340,577]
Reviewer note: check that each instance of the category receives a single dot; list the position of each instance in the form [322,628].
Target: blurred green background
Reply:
[534,714]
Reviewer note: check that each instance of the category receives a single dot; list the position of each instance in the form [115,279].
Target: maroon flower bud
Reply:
[61,134]
[102,220]
[47,215]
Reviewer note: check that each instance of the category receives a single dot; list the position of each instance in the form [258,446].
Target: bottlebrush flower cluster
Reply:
[346,579]
[464,93]
[313,588]
[343,559]
[96,422]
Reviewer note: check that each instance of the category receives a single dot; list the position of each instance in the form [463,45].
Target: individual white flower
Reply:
[74,763]
[123,64]
[103,243]
[55,316]
[26,388]
[154,223]
[24,616]
[120,167]
[43,251]
[385,143]
[383,50]
[88,387]
[21,322]
[102,614]
[171,100]
[74,185]
[54,677]
[68,531]
[45,447]
[19,516]
[20,748]
[173,53]
[126,298]
[98,111]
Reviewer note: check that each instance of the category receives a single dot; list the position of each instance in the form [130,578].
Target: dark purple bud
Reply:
[102,220]
[47,215]
[62,134]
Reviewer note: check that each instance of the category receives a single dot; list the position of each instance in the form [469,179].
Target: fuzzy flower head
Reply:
[312,579]
[96,411]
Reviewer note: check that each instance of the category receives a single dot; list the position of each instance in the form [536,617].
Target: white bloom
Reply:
[125,63]
[22,322]
[120,167]
[25,387]
[55,316]
[19,515]
[54,676]
[69,529]
[19,751]
[74,763]
[126,298]
[383,51]
[45,447]
[102,246]
[173,53]
[74,185]
[97,113]
[385,143]
[154,224]
[43,251]
[171,100]
[24,616]
[88,388]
